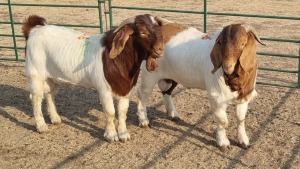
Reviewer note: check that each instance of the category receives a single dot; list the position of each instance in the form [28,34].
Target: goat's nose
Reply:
[227,69]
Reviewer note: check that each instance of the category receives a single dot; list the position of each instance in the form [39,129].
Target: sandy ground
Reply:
[272,123]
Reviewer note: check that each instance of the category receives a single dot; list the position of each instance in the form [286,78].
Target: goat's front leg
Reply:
[108,106]
[122,111]
[241,111]
[144,92]
[222,123]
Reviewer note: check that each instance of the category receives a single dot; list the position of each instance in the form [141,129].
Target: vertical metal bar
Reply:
[100,15]
[110,14]
[298,86]
[204,16]
[13,29]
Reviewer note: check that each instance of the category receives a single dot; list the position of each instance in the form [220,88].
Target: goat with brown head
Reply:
[136,39]
[235,52]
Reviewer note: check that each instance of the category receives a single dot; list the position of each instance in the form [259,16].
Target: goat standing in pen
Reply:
[109,62]
[225,65]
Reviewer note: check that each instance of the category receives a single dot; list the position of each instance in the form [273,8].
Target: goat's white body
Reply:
[59,53]
[56,55]
[187,61]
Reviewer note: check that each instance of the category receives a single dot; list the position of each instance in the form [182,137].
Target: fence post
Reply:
[204,16]
[100,15]
[298,86]
[13,29]
[110,14]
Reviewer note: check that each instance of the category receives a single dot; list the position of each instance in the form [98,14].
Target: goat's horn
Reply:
[163,21]
[251,29]
[127,21]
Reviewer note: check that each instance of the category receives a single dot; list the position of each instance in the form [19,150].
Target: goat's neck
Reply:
[241,81]
[122,72]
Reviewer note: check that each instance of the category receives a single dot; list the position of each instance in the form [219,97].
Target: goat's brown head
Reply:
[146,37]
[235,45]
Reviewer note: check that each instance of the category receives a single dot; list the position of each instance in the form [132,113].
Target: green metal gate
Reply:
[110,12]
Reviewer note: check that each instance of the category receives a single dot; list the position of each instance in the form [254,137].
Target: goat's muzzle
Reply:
[158,52]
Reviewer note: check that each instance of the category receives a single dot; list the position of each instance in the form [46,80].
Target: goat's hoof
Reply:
[144,124]
[42,128]
[176,119]
[111,139]
[56,120]
[244,146]
[225,148]
[124,136]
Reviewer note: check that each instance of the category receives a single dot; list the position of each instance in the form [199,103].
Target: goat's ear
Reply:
[120,40]
[216,55]
[248,57]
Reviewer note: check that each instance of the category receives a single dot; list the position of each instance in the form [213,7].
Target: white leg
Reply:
[144,91]
[222,123]
[50,98]
[168,101]
[109,110]
[122,111]
[241,111]
[142,108]
[36,90]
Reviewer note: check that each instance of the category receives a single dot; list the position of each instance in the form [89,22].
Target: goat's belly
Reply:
[71,78]
[190,81]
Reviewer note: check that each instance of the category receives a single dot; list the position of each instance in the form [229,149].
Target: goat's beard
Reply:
[151,64]
[232,81]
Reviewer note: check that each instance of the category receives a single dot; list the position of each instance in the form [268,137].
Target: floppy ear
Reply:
[215,55]
[119,41]
[248,57]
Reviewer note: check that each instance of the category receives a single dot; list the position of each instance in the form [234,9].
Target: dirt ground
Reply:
[272,123]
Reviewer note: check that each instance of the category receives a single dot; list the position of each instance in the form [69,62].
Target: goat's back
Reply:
[187,58]
[62,54]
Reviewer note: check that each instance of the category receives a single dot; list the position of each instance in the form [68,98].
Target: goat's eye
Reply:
[243,45]
[143,33]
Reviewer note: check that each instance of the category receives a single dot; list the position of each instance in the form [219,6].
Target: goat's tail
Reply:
[30,23]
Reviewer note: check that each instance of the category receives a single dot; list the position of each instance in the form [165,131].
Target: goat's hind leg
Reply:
[241,110]
[37,92]
[167,86]
[50,89]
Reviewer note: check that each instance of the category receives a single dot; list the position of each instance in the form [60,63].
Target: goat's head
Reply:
[145,34]
[235,46]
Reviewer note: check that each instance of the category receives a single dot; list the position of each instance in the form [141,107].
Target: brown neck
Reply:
[241,81]
[122,72]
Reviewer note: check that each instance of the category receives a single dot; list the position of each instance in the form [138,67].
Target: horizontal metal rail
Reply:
[205,13]
[51,5]
[12,23]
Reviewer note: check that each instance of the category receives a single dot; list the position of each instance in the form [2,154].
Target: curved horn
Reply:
[127,21]
[251,29]
[162,21]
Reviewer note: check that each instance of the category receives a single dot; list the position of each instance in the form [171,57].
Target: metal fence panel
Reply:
[101,12]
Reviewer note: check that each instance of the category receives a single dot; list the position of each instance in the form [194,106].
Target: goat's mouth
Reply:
[157,54]
[151,64]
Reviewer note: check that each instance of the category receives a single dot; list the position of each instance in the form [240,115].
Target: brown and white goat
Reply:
[109,62]
[225,65]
